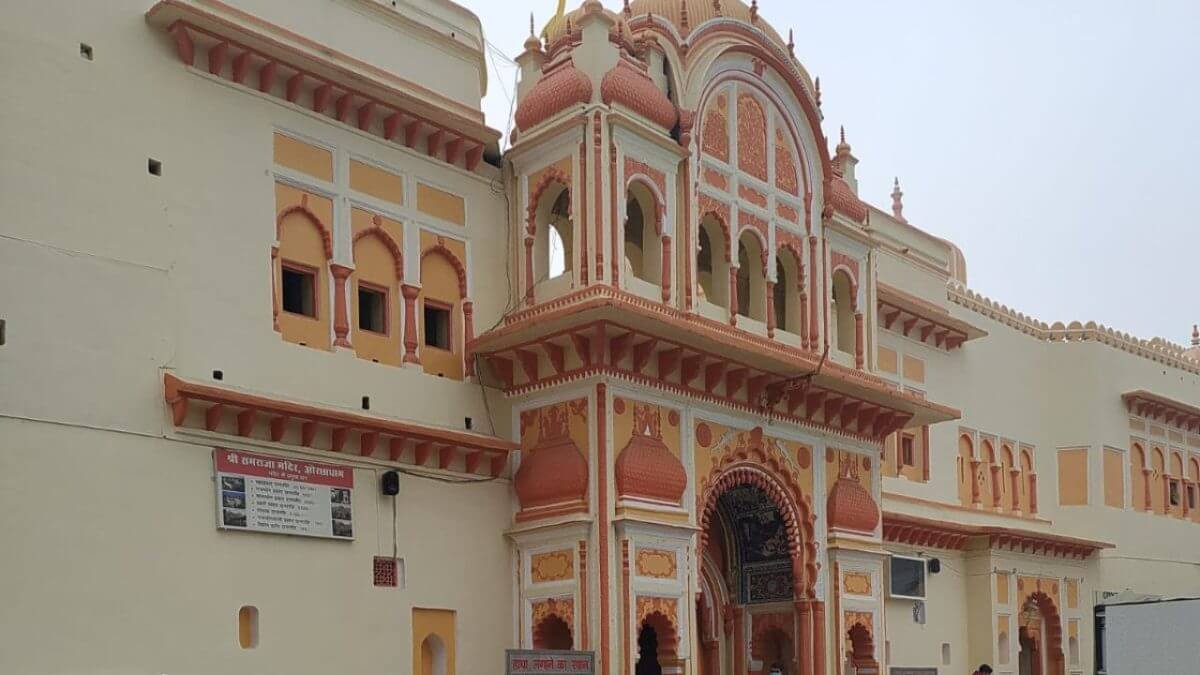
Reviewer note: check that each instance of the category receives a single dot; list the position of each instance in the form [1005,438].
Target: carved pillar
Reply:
[997,487]
[814,321]
[859,344]
[275,287]
[341,319]
[733,296]
[739,640]
[666,268]
[1033,509]
[410,294]
[804,612]
[528,270]
[818,638]
[770,308]
[1149,505]
[468,309]
[803,317]
[1015,475]
[976,496]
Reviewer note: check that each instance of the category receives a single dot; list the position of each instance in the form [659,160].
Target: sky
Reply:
[1057,143]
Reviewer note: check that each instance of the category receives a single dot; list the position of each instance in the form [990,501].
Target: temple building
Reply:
[308,371]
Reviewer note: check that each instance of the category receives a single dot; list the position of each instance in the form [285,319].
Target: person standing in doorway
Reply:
[985,669]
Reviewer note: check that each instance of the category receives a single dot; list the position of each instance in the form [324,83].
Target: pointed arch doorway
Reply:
[1040,636]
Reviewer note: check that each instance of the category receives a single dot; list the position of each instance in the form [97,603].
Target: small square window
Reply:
[1191,496]
[437,325]
[154,167]
[299,296]
[372,309]
[85,51]
[906,450]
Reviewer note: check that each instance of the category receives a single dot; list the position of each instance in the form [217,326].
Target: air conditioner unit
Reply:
[906,578]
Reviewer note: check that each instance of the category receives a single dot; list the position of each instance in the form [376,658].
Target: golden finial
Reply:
[791,44]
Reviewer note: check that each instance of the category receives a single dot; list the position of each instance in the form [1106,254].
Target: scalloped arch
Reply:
[326,237]
[459,269]
[378,232]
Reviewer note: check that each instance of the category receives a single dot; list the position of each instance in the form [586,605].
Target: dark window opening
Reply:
[299,292]
[372,310]
[1191,497]
[85,51]
[154,167]
[704,257]
[647,663]
[1174,492]
[437,326]
[906,450]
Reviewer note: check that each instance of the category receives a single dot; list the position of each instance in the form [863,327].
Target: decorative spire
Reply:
[842,147]
[626,10]
[818,92]
[1195,335]
[683,15]
[753,11]
[898,201]
[532,43]
[531,23]
[791,44]
[717,7]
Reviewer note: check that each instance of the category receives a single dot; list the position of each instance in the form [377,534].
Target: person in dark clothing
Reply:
[985,669]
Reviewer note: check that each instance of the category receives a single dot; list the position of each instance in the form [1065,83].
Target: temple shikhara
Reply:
[308,370]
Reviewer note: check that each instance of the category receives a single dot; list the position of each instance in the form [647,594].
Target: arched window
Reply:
[301,267]
[1137,477]
[788,278]
[990,487]
[1006,465]
[440,313]
[643,243]
[842,312]
[552,633]
[966,478]
[712,262]
[1027,497]
[433,656]
[375,299]
[751,286]
[1157,480]
[553,235]
[647,662]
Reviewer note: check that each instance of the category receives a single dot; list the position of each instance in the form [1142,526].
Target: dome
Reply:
[628,84]
[554,472]
[850,507]
[647,469]
[698,12]
[561,86]
[844,201]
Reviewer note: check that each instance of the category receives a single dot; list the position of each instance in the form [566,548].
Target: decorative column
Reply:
[1033,509]
[804,612]
[410,294]
[528,270]
[341,320]
[1146,489]
[819,638]
[859,344]
[468,309]
[997,487]
[739,640]
[803,316]
[976,497]
[813,296]
[666,268]
[274,287]
[770,308]
[733,296]
[1015,475]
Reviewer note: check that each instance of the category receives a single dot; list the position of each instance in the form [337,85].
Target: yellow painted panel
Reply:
[1136,424]
[1002,580]
[440,284]
[1072,594]
[887,360]
[433,632]
[301,156]
[1072,477]
[441,204]
[376,182]
[302,247]
[623,424]
[914,368]
[1114,479]
[1158,431]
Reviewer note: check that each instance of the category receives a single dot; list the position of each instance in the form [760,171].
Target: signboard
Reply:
[264,493]
[549,662]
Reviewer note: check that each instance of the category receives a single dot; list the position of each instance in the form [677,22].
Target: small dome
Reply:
[647,469]
[554,472]
[844,201]
[629,85]
[850,507]
[561,86]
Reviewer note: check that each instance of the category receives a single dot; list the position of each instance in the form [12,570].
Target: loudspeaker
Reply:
[389,483]
[935,565]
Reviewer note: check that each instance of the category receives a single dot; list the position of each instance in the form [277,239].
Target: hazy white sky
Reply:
[1057,142]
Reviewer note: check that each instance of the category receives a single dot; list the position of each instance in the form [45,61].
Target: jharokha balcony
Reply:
[602,330]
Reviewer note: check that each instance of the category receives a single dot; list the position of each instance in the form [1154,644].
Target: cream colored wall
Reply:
[912,645]
[108,277]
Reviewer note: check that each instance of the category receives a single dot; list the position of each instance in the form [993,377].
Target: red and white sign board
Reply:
[265,493]
[549,662]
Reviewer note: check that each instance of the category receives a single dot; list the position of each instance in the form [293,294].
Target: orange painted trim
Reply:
[1170,411]
[553,510]
[626,618]
[582,642]
[904,528]
[959,507]
[179,393]
[603,530]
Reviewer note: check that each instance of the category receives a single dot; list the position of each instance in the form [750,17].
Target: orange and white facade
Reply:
[658,383]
